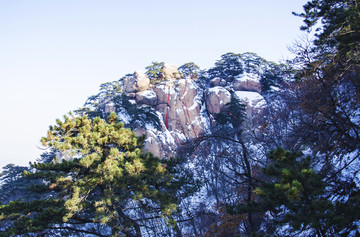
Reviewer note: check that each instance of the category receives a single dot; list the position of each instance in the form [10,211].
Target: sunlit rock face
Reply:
[186,108]
[169,71]
[138,82]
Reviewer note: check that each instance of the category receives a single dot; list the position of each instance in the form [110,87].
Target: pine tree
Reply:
[340,23]
[228,67]
[190,70]
[12,184]
[154,71]
[294,194]
[103,177]
[328,96]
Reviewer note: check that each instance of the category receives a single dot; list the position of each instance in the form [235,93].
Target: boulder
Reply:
[170,71]
[142,81]
[110,107]
[247,82]
[129,84]
[255,103]
[187,91]
[147,97]
[152,144]
[183,107]
[216,98]
[138,82]
[161,92]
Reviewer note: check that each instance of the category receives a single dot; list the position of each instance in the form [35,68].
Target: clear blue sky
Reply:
[55,54]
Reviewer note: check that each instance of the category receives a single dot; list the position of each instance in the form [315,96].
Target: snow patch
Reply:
[248,77]
[251,98]
[148,94]
[124,116]
[218,89]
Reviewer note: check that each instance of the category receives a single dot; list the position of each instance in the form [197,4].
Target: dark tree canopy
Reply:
[190,70]
[339,23]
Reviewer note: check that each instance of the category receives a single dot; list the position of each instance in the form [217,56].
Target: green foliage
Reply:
[190,70]
[19,217]
[229,66]
[297,187]
[340,23]
[14,185]
[103,170]
[232,113]
[273,76]
[253,63]
[295,194]
[95,105]
[269,79]
[111,92]
[139,114]
[154,71]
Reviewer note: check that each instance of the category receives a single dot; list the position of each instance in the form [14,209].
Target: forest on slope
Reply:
[246,148]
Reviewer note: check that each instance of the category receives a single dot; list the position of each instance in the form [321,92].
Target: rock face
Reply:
[138,82]
[170,71]
[255,103]
[185,108]
[142,81]
[215,82]
[179,105]
[216,98]
[147,97]
[248,82]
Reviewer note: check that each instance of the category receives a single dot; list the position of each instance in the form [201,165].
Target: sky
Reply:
[55,54]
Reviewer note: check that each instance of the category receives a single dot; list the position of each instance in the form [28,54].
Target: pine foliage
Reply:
[103,177]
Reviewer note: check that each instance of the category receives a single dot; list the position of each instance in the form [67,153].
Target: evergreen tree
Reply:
[253,63]
[228,67]
[12,184]
[232,113]
[340,23]
[190,70]
[111,94]
[328,95]
[154,71]
[295,194]
[103,177]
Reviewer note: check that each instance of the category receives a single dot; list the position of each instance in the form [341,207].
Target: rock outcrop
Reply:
[247,82]
[169,71]
[216,98]
[147,97]
[138,82]
[185,108]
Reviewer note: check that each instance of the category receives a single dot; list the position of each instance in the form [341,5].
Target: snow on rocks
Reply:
[183,107]
[124,116]
[216,98]
[255,103]
[252,99]
[247,82]
[147,97]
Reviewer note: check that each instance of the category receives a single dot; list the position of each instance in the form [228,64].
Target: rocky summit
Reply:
[186,108]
